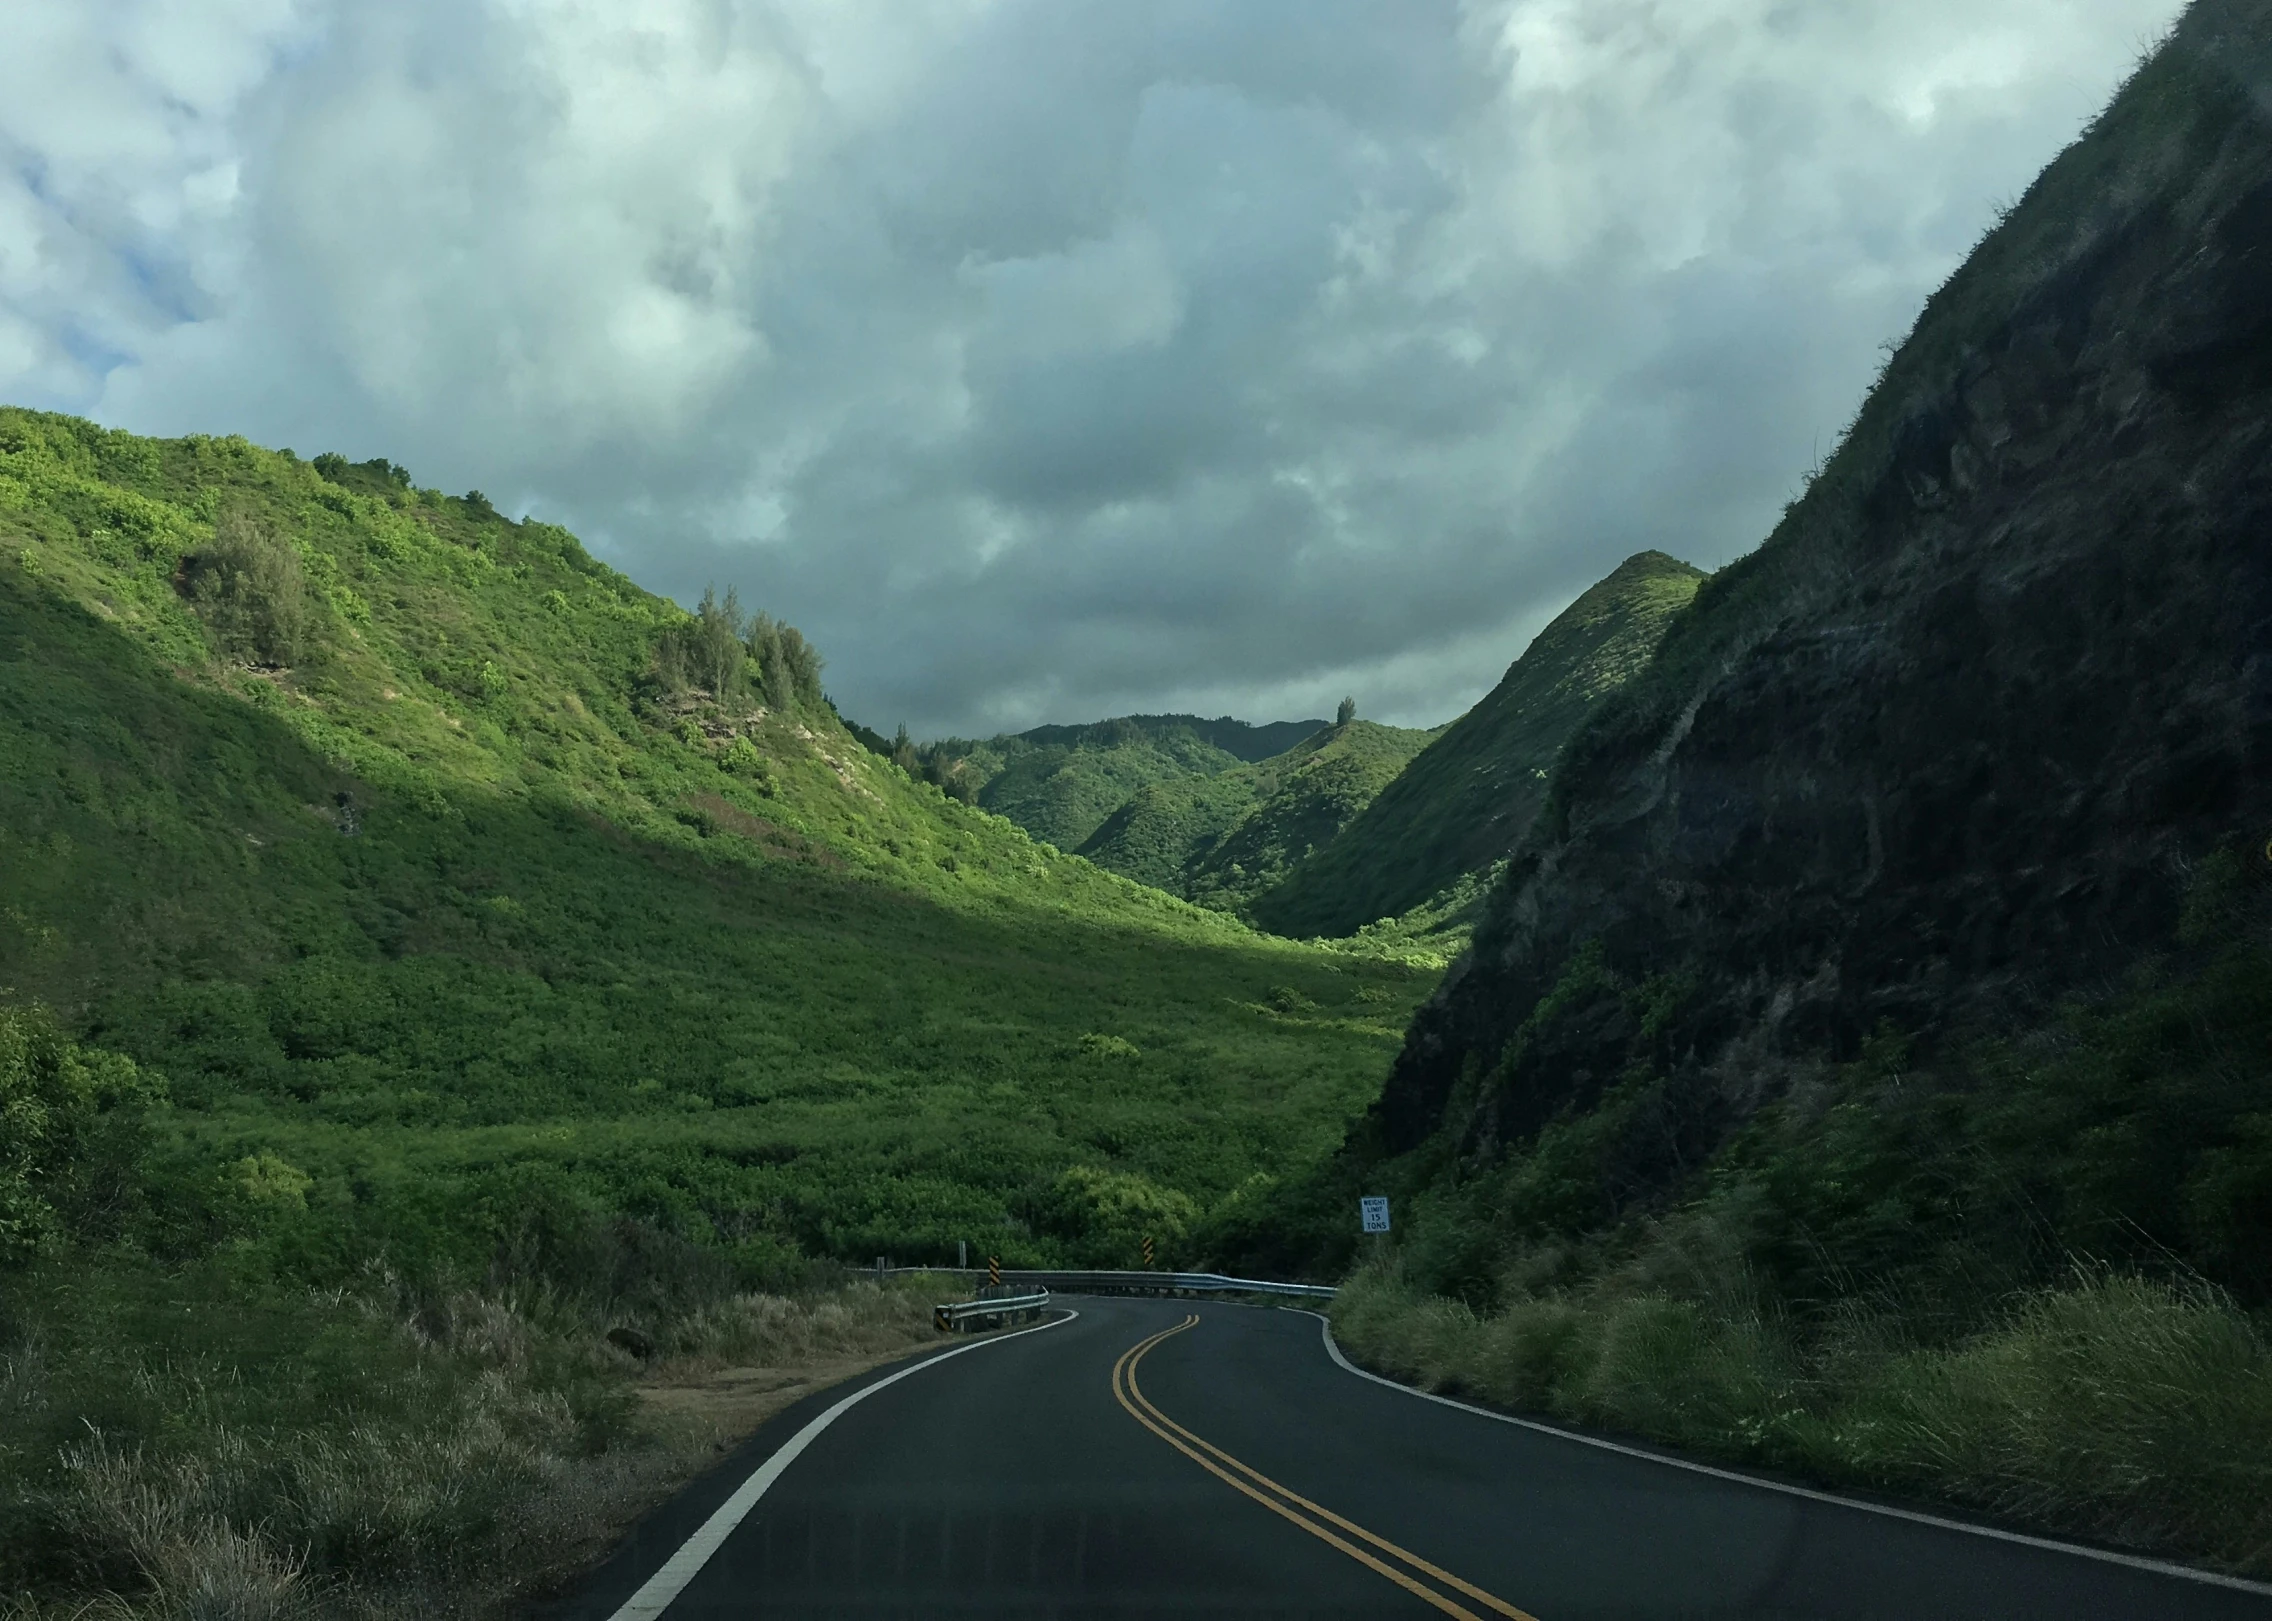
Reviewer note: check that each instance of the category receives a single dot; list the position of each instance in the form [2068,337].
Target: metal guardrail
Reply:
[993,1313]
[1129,1283]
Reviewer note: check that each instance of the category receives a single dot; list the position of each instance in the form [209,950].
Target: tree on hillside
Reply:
[718,643]
[788,666]
[903,754]
[714,648]
[945,769]
[1346,713]
[704,650]
[377,472]
[251,591]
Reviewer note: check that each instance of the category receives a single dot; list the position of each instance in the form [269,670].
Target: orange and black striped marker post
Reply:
[1147,1252]
[994,1269]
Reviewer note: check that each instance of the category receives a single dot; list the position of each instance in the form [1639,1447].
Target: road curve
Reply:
[1158,1458]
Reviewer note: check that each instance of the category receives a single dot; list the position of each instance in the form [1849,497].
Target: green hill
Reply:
[422,852]
[1303,798]
[1217,840]
[1157,834]
[1063,783]
[1466,799]
[1241,740]
[1061,790]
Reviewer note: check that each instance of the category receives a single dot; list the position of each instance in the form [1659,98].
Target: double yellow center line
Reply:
[1407,1569]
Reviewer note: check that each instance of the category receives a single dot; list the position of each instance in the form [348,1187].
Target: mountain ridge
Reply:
[1466,799]
[1860,1069]
[1984,726]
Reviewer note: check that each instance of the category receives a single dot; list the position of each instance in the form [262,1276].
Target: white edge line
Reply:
[2159,1567]
[678,1570]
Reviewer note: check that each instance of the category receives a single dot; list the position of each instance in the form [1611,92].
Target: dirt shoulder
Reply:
[725,1405]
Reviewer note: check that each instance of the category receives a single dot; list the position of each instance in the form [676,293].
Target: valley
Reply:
[1813,1015]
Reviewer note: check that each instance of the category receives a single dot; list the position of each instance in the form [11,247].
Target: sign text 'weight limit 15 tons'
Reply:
[1372,1215]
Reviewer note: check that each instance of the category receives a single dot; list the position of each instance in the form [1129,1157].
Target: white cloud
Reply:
[1043,359]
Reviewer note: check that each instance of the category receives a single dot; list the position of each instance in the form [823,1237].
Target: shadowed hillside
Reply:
[1951,741]
[1866,1065]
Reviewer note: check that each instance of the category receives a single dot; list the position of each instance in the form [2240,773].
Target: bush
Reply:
[1109,1214]
[2121,1407]
[70,1136]
[249,587]
[2115,1407]
[202,1451]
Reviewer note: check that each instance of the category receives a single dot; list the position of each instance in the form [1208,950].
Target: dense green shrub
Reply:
[71,1136]
[1107,1215]
[252,591]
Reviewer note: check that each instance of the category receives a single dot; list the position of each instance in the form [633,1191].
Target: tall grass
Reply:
[395,1456]
[2116,1407]
[2122,1408]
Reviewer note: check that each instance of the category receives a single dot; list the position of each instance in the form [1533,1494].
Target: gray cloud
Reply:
[1043,360]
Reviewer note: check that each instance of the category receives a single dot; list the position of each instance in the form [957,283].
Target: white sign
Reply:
[1373,1215]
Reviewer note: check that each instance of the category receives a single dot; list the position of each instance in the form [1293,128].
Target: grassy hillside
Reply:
[472,906]
[1303,798]
[1061,791]
[1241,740]
[1466,799]
[1219,840]
[1213,811]
[1063,783]
[1154,837]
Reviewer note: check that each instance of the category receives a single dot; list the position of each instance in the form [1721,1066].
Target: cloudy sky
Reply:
[1042,360]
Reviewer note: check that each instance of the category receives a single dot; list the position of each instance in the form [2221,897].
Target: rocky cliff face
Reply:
[1948,744]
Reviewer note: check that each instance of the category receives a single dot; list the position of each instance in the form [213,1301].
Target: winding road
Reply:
[1158,1458]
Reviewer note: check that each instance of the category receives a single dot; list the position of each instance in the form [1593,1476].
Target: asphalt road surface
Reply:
[1159,1458]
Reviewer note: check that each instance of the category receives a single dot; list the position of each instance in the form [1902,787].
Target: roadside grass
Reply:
[185,1446]
[2027,1273]
[2121,1409]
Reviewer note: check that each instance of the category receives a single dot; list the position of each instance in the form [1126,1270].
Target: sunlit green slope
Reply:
[1063,783]
[1061,791]
[1157,835]
[1303,798]
[1464,801]
[473,896]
